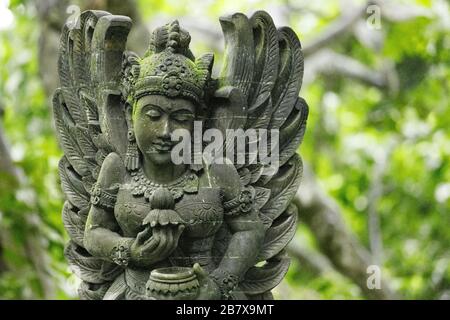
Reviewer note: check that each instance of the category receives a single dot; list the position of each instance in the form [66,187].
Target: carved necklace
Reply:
[142,186]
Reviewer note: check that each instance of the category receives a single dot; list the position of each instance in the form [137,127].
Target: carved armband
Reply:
[121,253]
[226,282]
[242,204]
[104,198]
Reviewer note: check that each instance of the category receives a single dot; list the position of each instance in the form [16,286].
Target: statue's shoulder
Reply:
[224,176]
[112,171]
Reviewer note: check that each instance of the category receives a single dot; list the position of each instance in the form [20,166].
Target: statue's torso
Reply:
[201,211]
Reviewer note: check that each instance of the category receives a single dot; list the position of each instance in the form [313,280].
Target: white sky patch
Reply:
[6,16]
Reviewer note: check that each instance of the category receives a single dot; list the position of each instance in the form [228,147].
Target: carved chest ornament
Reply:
[142,186]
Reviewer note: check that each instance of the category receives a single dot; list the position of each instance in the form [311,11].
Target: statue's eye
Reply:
[183,117]
[154,114]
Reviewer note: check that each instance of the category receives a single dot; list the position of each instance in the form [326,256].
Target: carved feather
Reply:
[283,185]
[73,224]
[260,117]
[262,195]
[79,57]
[238,66]
[67,141]
[89,291]
[72,185]
[245,176]
[85,142]
[90,107]
[256,170]
[293,131]
[279,234]
[89,268]
[65,76]
[261,279]
[63,63]
[266,58]
[289,80]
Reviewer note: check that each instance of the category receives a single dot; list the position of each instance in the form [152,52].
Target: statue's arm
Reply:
[247,230]
[101,237]
[243,248]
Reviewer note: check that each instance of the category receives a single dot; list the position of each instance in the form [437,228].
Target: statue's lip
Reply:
[163,146]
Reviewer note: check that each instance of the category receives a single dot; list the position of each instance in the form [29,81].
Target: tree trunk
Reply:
[11,179]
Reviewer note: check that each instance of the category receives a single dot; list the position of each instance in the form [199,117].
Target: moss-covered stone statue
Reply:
[143,226]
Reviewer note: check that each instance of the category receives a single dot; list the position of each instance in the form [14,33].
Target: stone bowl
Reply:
[172,283]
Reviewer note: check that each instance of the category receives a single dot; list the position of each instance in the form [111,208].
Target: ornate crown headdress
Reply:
[169,67]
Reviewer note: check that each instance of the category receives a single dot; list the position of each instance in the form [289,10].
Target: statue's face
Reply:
[155,119]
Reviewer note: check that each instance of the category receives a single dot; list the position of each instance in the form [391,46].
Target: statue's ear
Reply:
[129,115]
[229,109]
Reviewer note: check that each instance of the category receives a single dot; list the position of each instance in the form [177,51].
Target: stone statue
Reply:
[142,226]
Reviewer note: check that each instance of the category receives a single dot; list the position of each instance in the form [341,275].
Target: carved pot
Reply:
[172,283]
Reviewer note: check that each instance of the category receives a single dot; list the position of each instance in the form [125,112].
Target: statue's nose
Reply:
[165,133]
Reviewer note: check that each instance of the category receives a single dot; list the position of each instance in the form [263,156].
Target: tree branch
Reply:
[328,62]
[348,256]
[336,29]
[315,262]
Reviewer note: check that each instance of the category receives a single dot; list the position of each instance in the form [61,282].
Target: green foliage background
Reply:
[352,128]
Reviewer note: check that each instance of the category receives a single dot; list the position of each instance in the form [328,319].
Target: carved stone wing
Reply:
[90,123]
[266,65]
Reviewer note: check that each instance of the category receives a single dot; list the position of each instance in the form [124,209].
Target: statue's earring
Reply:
[132,154]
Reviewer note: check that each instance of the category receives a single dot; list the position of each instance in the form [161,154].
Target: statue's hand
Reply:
[147,249]
[209,290]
